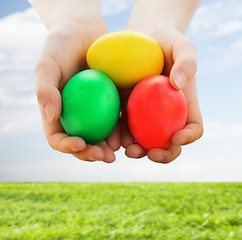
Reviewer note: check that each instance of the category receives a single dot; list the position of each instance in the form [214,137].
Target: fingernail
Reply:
[180,79]
[49,111]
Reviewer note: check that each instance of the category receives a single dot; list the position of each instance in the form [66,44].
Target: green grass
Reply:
[166,211]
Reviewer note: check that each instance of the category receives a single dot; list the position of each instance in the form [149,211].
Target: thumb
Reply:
[185,63]
[49,99]
[48,95]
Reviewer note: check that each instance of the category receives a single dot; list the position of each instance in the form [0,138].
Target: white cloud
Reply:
[215,60]
[236,45]
[221,130]
[228,27]
[212,158]
[110,7]
[67,168]
[20,120]
[217,19]
[232,57]
[8,99]
[21,29]
[22,34]
[215,28]
[2,56]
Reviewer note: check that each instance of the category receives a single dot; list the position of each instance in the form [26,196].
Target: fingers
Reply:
[156,154]
[76,146]
[62,142]
[180,66]
[194,126]
[49,100]
[61,57]
[103,150]
[135,151]
[91,153]
[109,155]
[126,137]
[47,82]
[185,63]
[191,133]
[193,129]
[59,60]
[48,78]
[164,156]
[99,152]
[113,140]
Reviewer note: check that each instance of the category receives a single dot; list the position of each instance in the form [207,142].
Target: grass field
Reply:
[120,211]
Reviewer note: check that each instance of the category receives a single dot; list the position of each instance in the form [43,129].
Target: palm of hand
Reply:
[63,55]
[180,56]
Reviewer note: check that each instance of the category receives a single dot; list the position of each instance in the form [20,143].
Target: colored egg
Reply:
[126,57]
[155,111]
[90,106]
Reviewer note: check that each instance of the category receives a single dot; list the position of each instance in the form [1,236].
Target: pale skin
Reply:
[63,55]
[166,21]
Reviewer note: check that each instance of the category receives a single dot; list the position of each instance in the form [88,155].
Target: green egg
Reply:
[90,106]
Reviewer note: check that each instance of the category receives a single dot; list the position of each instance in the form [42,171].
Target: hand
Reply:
[64,55]
[180,66]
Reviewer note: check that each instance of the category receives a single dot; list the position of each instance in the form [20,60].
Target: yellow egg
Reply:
[126,57]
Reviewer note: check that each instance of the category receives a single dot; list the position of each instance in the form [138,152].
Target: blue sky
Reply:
[12,6]
[216,31]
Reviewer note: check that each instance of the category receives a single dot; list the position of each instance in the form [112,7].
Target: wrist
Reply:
[173,13]
[75,19]
[59,13]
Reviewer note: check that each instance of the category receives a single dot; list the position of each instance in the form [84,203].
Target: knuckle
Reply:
[189,45]
[42,69]
[184,43]
[190,59]
[190,49]
[185,54]
[41,93]
[42,65]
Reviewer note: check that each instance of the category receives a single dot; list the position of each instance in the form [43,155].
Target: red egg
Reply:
[155,111]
